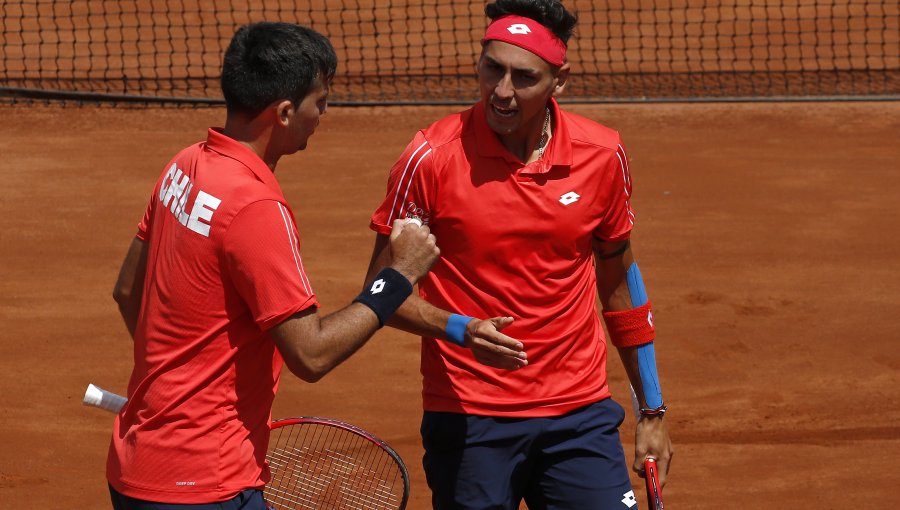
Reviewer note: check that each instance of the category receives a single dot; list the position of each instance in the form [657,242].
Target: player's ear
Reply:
[561,78]
[284,110]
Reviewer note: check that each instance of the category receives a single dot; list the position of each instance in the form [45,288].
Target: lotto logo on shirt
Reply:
[174,193]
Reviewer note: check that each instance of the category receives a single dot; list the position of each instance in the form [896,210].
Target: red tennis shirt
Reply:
[515,240]
[223,268]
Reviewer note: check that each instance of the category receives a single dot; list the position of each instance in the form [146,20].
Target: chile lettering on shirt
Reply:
[174,192]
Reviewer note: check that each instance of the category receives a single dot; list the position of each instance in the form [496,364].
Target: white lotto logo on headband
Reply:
[519,28]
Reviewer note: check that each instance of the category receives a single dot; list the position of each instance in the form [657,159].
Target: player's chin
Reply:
[502,129]
[503,125]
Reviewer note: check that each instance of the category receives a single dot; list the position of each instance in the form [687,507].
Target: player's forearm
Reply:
[629,320]
[415,315]
[312,346]
[488,344]
[129,312]
[420,317]
[341,334]
[128,298]
[629,358]
[618,298]
[129,289]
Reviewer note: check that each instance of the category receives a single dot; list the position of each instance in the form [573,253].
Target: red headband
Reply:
[528,34]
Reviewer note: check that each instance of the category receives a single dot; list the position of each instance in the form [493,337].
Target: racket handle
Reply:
[654,491]
[98,397]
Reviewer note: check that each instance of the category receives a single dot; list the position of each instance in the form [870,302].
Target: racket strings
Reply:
[315,465]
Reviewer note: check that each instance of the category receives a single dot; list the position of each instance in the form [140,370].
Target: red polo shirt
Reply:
[223,268]
[515,240]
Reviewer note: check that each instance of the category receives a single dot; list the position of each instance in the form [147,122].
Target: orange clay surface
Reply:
[767,235]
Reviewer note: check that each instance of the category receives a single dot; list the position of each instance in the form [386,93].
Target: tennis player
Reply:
[532,206]
[215,294]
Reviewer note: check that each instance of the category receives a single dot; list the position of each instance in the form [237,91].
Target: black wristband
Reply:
[386,293]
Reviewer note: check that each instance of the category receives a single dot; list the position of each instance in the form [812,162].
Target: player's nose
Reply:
[504,89]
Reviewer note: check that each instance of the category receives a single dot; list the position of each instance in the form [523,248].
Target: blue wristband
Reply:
[456,328]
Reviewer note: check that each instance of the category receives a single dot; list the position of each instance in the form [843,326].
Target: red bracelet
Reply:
[630,328]
[658,411]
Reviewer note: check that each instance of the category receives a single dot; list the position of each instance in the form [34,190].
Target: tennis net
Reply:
[424,51]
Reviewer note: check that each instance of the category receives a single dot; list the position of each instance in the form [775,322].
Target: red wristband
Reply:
[630,328]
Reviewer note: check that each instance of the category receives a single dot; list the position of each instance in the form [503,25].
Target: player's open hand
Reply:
[413,249]
[493,348]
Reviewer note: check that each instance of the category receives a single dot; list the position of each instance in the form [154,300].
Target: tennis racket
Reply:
[318,463]
[654,491]
[323,463]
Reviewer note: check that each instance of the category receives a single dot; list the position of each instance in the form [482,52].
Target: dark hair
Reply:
[269,61]
[549,13]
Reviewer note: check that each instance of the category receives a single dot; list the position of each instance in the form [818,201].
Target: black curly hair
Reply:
[549,13]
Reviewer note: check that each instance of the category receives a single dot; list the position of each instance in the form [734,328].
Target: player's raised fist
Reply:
[413,248]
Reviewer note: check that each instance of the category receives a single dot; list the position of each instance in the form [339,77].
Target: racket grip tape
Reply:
[98,397]
[654,491]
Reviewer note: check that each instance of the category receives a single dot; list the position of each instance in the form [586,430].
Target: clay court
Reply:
[766,234]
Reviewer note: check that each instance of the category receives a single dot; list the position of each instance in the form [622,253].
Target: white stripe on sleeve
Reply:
[409,183]
[626,177]
[402,177]
[295,248]
[626,180]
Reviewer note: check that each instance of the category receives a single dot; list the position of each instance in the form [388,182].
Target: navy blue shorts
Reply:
[574,461]
[250,499]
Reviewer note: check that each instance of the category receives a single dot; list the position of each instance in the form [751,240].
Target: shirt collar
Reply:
[217,141]
[557,153]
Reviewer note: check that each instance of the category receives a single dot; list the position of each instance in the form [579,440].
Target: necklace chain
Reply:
[544,135]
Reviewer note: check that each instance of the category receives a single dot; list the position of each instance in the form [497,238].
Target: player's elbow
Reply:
[126,299]
[120,296]
[301,346]
[126,294]
[307,372]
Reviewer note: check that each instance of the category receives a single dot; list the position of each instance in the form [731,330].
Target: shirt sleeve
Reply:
[619,217]
[408,189]
[146,223]
[262,255]
[143,231]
